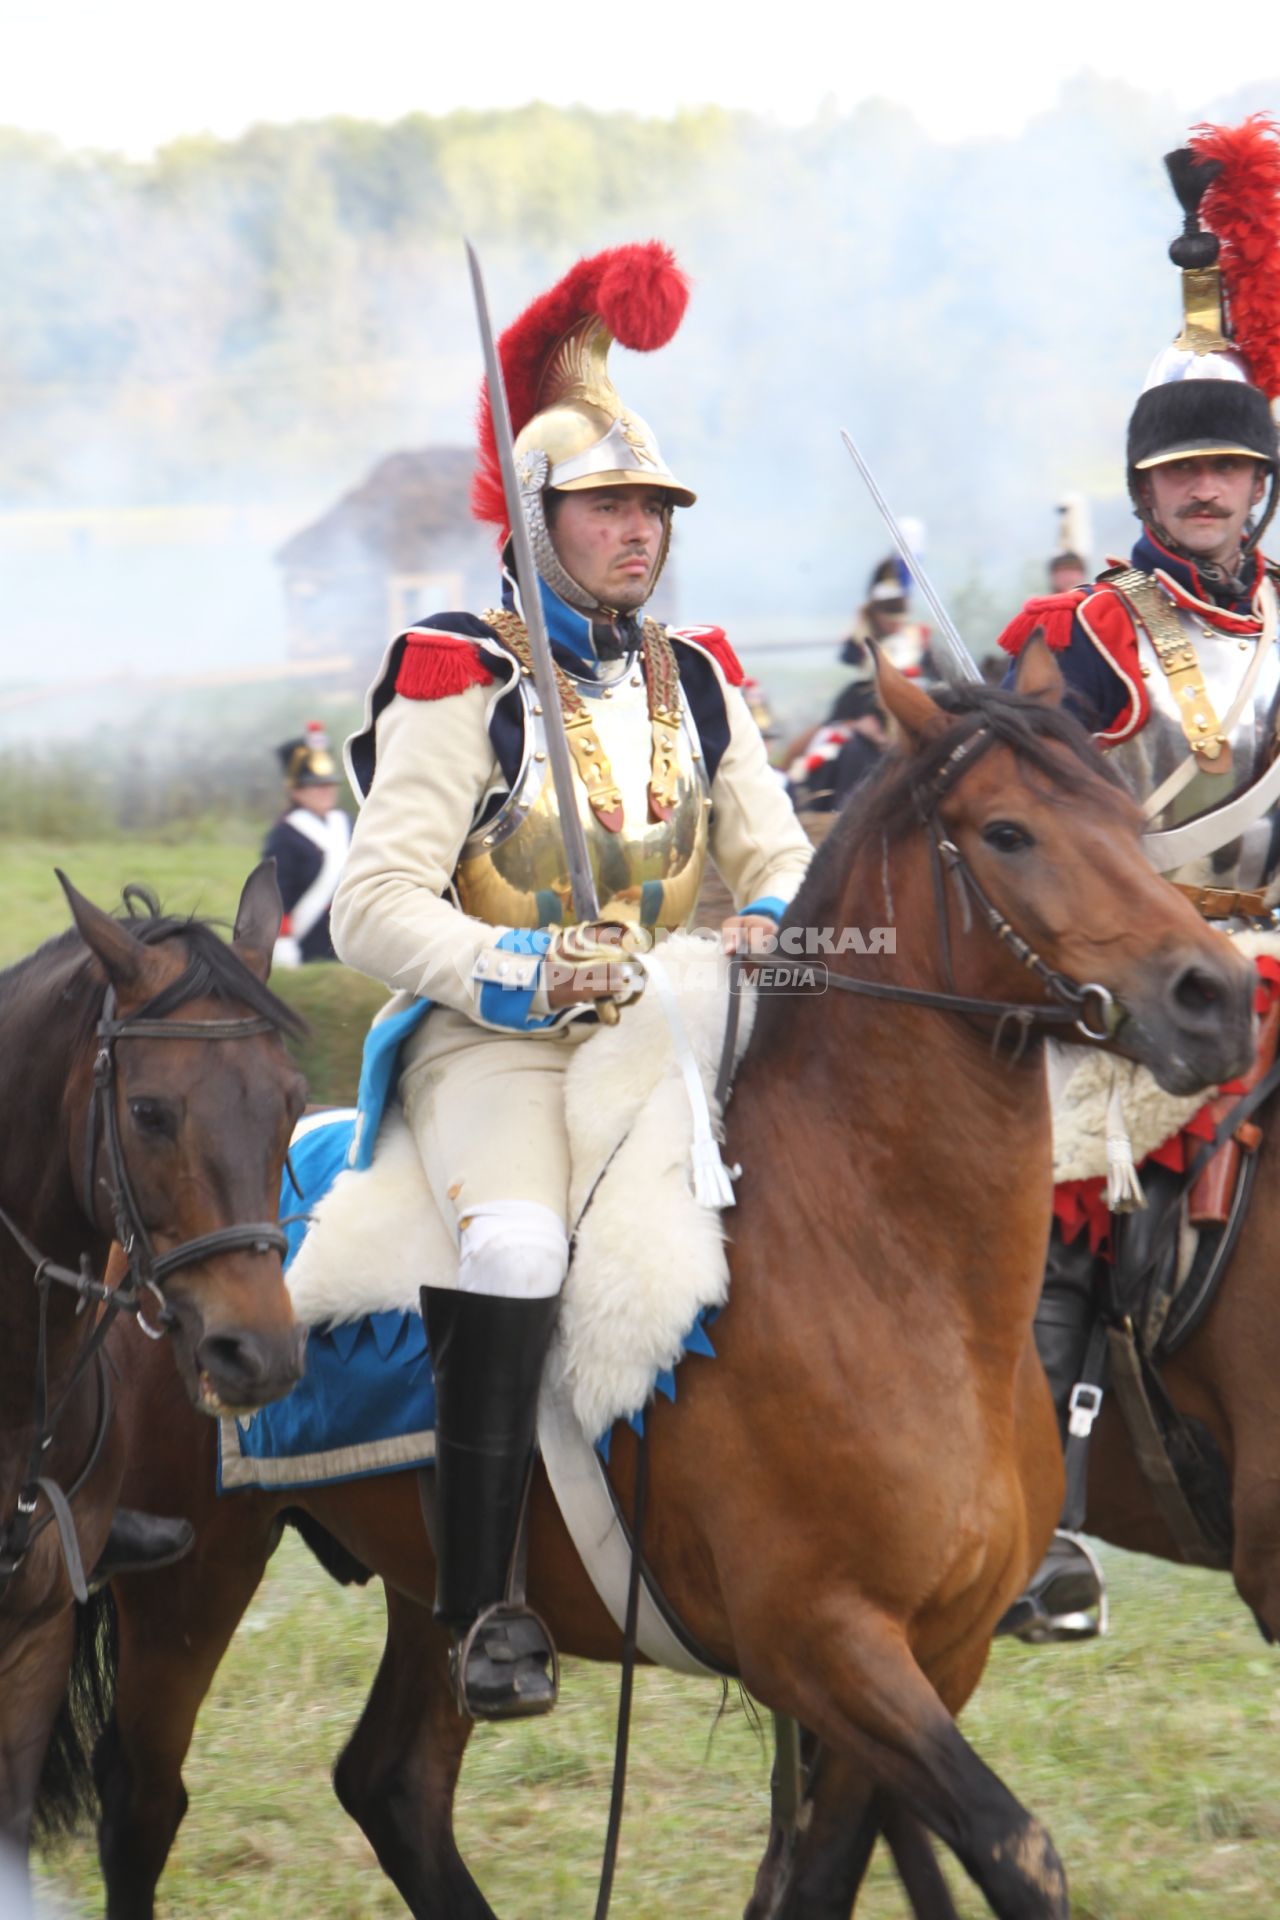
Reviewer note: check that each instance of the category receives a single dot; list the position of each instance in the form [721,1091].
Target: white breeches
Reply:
[487,1112]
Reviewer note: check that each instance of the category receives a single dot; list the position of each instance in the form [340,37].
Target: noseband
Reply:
[1090,1008]
[147,1270]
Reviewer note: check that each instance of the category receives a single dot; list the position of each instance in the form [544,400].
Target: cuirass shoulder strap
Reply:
[1176,652]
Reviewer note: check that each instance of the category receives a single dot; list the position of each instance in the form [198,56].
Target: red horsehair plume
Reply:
[1242,207]
[640,294]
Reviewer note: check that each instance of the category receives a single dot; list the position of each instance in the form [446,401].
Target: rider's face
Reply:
[609,539]
[1204,501]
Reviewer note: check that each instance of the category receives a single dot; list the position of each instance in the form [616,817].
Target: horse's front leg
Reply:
[34,1669]
[174,1627]
[849,1674]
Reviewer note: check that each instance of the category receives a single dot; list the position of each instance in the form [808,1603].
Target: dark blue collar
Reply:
[566,627]
[1149,556]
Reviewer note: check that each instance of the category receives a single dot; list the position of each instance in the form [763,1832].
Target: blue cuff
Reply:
[509,1006]
[768,903]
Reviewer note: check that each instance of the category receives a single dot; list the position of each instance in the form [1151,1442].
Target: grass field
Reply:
[1151,1756]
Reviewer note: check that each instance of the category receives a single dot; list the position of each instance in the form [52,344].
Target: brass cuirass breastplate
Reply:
[512,870]
[1153,753]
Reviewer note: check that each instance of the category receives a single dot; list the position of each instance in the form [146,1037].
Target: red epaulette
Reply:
[712,640]
[435,665]
[1050,615]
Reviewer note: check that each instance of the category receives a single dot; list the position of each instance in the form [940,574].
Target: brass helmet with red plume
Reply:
[1211,391]
[572,430]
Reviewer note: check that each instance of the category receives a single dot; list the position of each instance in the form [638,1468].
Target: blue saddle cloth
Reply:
[366,1403]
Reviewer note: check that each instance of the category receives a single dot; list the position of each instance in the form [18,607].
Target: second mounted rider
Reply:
[1171,660]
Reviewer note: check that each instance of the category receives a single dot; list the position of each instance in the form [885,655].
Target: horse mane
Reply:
[885,805]
[61,970]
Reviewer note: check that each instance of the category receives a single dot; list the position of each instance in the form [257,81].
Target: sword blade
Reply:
[586,903]
[956,657]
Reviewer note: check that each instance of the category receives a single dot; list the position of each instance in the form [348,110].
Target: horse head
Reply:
[180,1117]
[1038,837]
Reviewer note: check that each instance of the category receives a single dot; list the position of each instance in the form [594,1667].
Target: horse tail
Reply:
[67,1795]
[337,1562]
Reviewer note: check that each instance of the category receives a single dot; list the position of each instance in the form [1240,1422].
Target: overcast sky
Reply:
[129,75]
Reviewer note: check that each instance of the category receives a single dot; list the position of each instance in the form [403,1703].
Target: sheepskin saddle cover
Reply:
[1081,1080]
[648,1259]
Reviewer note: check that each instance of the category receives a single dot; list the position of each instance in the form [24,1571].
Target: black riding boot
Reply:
[140,1542]
[1066,1587]
[487,1354]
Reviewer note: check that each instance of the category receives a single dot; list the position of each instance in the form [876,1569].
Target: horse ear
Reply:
[920,718]
[1038,674]
[258,919]
[123,957]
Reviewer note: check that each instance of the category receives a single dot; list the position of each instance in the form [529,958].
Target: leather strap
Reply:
[1223,903]
[1093,1374]
[1152,1454]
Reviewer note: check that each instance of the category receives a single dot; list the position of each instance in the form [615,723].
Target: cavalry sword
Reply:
[586,903]
[959,662]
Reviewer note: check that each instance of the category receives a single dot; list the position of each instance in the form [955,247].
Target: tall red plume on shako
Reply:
[637,291]
[1242,207]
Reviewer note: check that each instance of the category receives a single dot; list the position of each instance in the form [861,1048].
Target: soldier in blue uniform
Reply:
[309,845]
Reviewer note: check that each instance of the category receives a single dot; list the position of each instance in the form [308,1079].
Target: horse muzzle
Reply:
[1194,1027]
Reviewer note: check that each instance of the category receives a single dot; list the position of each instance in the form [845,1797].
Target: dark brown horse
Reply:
[146,1094]
[843,1503]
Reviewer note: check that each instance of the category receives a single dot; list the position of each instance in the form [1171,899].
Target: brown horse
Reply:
[843,1503]
[147,1095]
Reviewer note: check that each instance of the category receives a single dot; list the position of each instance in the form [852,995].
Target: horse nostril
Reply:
[232,1359]
[1196,991]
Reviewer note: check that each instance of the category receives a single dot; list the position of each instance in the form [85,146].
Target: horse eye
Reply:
[151,1116]
[1005,837]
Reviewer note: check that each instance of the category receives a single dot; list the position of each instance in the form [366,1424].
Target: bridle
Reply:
[1091,1009]
[147,1270]
[1072,1005]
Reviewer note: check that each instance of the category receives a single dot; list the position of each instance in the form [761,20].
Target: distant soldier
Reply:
[309,845]
[1069,561]
[840,752]
[882,618]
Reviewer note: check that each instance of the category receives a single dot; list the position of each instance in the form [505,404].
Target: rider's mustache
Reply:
[1201,510]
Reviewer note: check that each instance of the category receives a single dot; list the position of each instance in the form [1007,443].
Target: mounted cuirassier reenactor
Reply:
[309,845]
[1171,660]
[457,891]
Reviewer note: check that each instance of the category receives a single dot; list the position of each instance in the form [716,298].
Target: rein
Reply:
[147,1270]
[1091,1009]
